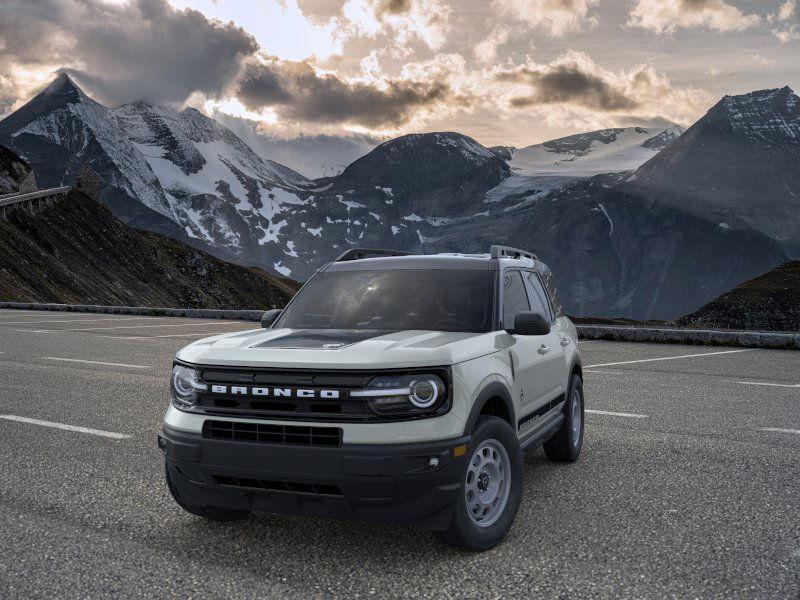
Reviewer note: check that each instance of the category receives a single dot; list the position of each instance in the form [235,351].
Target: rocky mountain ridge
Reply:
[76,252]
[768,302]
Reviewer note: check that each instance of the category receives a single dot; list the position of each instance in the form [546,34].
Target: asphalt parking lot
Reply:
[688,486]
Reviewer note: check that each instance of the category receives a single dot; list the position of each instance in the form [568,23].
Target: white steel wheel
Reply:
[577,416]
[488,483]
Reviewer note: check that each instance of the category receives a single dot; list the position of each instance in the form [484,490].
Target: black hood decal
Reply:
[322,339]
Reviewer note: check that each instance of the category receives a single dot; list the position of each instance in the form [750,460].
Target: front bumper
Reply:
[388,483]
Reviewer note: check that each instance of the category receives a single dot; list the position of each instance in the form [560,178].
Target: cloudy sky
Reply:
[503,71]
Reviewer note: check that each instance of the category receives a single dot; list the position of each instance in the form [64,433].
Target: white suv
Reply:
[394,388]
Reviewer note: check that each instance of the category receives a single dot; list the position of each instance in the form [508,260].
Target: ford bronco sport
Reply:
[393,388]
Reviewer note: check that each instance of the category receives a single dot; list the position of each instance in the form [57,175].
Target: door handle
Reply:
[543,349]
[565,341]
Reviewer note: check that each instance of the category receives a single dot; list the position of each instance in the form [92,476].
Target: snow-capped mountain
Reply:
[178,172]
[389,196]
[717,206]
[655,243]
[593,153]
[739,165]
[315,156]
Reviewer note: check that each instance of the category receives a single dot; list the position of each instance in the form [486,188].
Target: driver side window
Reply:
[515,298]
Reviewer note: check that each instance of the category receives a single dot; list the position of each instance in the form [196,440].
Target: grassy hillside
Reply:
[770,302]
[76,252]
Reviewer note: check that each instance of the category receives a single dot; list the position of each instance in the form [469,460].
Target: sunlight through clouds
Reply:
[280,28]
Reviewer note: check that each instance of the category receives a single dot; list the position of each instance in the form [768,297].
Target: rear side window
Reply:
[538,299]
[550,285]
[515,298]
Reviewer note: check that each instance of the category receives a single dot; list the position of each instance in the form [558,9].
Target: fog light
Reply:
[162,443]
[433,461]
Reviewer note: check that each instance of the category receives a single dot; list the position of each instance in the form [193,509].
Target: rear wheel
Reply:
[491,488]
[213,513]
[566,444]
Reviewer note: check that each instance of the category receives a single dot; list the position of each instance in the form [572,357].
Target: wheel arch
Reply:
[576,368]
[494,399]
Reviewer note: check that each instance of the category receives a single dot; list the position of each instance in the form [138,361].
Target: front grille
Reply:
[315,408]
[320,489]
[263,433]
[325,394]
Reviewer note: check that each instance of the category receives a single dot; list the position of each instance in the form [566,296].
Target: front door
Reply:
[537,371]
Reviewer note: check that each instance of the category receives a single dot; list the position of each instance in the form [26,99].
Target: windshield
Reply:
[394,300]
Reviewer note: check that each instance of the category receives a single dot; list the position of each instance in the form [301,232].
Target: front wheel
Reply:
[566,444]
[491,488]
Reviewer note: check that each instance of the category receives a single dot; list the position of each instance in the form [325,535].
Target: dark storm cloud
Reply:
[142,50]
[394,7]
[567,83]
[297,92]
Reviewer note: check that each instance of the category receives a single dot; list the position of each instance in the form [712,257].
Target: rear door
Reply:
[528,353]
[551,348]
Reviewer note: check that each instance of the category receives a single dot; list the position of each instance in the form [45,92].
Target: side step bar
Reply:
[543,433]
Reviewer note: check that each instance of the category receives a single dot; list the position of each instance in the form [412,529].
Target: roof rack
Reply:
[359,253]
[509,252]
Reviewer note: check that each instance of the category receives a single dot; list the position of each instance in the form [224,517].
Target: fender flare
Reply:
[492,390]
[576,365]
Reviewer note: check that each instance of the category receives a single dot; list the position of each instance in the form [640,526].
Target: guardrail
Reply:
[16,198]
[617,333]
[195,313]
[705,337]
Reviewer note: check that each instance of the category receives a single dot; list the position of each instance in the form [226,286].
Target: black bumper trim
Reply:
[390,483]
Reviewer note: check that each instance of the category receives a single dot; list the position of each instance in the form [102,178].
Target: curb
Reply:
[196,313]
[705,337]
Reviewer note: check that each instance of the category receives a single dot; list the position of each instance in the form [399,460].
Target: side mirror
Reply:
[531,323]
[268,318]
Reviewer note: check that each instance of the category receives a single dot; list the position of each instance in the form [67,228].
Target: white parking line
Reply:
[94,362]
[127,327]
[605,372]
[778,430]
[81,320]
[644,360]
[174,335]
[615,414]
[785,385]
[100,432]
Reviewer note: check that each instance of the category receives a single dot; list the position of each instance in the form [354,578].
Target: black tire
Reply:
[213,513]
[564,446]
[463,531]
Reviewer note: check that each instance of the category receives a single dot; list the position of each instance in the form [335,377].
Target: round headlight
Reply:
[185,384]
[423,393]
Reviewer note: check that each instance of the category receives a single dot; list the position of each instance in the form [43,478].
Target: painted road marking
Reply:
[126,327]
[778,430]
[615,414]
[100,432]
[644,360]
[174,335]
[83,320]
[95,362]
[785,385]
[606,372]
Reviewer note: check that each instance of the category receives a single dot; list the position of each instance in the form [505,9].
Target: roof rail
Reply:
[508,252]
[359,253]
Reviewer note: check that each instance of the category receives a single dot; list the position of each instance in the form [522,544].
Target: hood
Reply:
[339,349]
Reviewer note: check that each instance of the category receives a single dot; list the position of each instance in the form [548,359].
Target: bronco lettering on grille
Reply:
[275,392]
